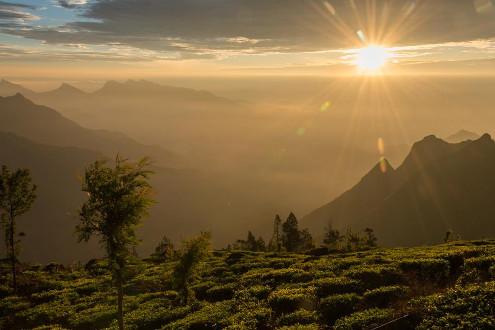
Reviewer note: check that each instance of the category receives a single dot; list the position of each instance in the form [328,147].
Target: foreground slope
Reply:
[439,187]
[446,286]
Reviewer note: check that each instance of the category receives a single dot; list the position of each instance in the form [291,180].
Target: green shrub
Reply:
[259,291]
[301,316]
[201,288]
[250,317]
[336,306]
[98,317]
[427,269]
[289,300]
[375,276]
[480,263]
[276,276]
[384,296]
[211,316]
[459,308]
[152,316]
[301,327]
[367,319]
[335,285]
[96,267]
[221,292]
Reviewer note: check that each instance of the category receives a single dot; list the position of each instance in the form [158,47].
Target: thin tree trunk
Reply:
[12,253]
[120,301]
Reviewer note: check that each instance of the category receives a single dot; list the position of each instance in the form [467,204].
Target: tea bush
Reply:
[367,319]
[445,286]
[384,296]
[334,307]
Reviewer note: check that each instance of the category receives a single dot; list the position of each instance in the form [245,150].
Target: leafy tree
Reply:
[17,195]
[193,252]
[291,236]
[353,240]
[332,237]
[164,250]
[306,240]
[251,244]
[260,244]
[370,238]
[118,198]
[275,242]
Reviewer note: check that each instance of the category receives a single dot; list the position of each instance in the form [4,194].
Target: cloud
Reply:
[222,27]
[11,5]
[13,15]
[72,3]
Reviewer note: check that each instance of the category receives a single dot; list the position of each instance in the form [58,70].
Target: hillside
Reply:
[412,288]
[44,125]
[439,187]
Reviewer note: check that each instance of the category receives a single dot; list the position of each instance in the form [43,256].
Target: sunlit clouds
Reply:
[251,37]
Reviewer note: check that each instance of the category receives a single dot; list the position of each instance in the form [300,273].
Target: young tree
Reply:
[17,195]
[370,238]
[251,244]
[332,237]
[192,253]
[164,250]
[353,240]
[306,240]
[291,236]
[275,242]
[260,244]
[118,199]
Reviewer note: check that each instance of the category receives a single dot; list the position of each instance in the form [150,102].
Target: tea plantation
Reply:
[440,287]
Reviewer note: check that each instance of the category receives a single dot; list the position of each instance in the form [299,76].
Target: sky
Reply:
[89,39]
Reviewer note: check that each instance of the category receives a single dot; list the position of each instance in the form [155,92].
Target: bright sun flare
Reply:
[371,58]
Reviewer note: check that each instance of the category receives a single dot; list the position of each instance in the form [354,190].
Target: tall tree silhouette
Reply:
[291,237]
[193,252]
[275,242]
[17,195]
[118,198]
[332,237]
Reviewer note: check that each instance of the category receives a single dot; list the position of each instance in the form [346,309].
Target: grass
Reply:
[445,286]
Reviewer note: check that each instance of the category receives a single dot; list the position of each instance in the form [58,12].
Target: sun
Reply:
[371,58]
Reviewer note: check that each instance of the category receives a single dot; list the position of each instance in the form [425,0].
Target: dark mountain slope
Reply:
[22,117]
[439,187]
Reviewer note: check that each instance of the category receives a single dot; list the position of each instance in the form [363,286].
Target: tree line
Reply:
[288,237]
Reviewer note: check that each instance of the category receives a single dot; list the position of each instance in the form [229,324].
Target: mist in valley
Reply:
[231,153]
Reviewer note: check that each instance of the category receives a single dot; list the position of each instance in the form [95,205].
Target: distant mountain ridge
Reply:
[440,186]
[462,135]
[129,88]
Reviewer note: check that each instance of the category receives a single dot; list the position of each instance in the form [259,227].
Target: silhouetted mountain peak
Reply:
[382,170]
[486,138]
[4,82]
[482,145]
[65,87]
[17,98]
[8,88]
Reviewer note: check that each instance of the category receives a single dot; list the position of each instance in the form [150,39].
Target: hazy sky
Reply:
[92,38]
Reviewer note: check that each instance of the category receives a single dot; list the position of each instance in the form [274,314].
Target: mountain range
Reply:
[440,186]
[44,125]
